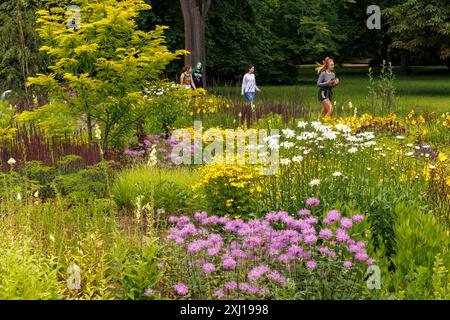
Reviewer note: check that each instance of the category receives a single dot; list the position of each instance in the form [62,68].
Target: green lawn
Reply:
[426,89]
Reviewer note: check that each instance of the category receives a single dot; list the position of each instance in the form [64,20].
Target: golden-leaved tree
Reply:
[100,62]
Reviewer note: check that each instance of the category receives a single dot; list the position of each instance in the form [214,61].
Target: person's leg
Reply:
[325,107]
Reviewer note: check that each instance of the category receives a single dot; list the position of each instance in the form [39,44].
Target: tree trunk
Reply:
[194,14]
[405,62]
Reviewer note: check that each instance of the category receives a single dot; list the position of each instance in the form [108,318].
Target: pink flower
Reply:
[228,263]
[181,289]
[346,223]
[310,239]
[311,264]
[304,212]
[312,202]
[149,292]
[358,218]
[370,261]
[332,216]
[208,267]
[219,294]
[361,256]
[347,264]
[326,234]
[341,235]
[231,285]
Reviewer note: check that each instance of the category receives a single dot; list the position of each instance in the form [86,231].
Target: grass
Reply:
[426,89]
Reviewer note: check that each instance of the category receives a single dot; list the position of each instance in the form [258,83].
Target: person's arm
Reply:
[244,84]
[256,87]
[182,78]
[336,82]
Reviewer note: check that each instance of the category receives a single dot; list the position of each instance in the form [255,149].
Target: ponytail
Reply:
[324,65]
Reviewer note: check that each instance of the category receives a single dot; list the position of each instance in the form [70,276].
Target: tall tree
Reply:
[421,25]
[194,14]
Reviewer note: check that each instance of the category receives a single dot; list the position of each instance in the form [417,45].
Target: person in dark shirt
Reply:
[326,82]
[197,75]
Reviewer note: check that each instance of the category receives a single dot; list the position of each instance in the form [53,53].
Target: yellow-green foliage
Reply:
[100,68]
[7,130]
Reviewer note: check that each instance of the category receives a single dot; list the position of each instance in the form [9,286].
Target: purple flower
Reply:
[312,202]
[304,212]
[326,234]
[219,294]
[370,261]
[346,223]
[208,267]
[231,285]
[341,235]
[332,216]
[311,264]
[310,239]
[149,292]
[228,263]
[361,256]
[347,264]
[358,218]
[257,272]
[180,289]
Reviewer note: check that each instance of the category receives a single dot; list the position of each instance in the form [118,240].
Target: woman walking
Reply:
[249,86]
[186,78]
[326,82]
[197,75]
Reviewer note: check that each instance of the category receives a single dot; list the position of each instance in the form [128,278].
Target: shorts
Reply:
[325,94]
[250,96]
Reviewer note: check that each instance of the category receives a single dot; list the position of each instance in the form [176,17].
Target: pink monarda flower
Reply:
[326,234]
[323,250]
[257,272]
[208,267]
[231,285]
[304,212]
[341,235]
[332,216]
[358,218]
[347,264]
[312,202]
[370,261]
[228,263]
[346,223]
[361,256]
[311,264]
[310,239]
[181,289]
[149,292]
[219,294]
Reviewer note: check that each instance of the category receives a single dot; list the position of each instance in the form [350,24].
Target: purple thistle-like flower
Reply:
[332,216]
[310,239]
[370,261]
[304,212]
[361,256]
[347,264]
[231,285]
[346,223]
[326,234]
[228,263]
[208,267]
[358,218]
[312,202]
[219,294]
[341,235]
[181,289]
[149,292]
[311,264]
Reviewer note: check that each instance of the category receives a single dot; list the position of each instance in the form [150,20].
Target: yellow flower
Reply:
[447,181]
[442,157]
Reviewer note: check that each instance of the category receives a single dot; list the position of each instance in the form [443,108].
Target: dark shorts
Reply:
[325,94]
